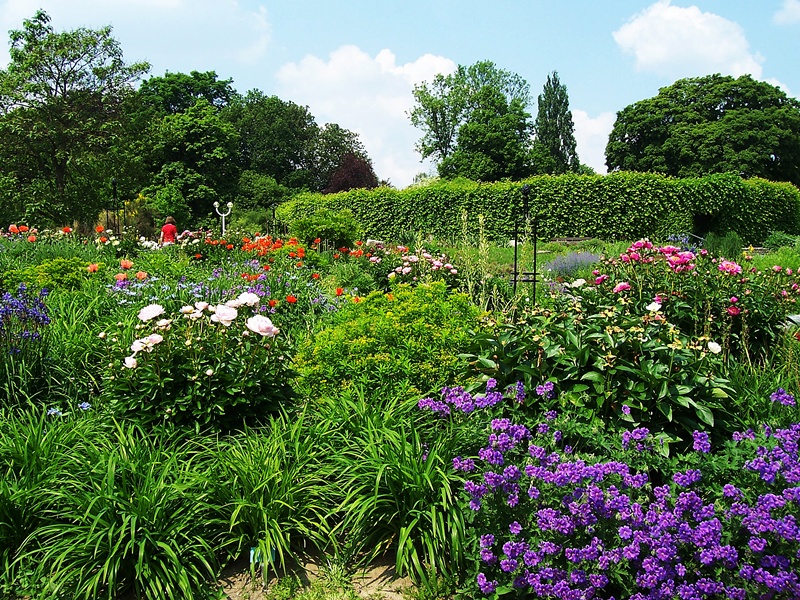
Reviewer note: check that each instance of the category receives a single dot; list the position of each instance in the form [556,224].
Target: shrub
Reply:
[337,227]
[724,246]
[404,342]
[59,273]
[203,368]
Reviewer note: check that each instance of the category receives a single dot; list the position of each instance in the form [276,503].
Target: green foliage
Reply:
[196,370]
[399,343]
[336,227]
[131,513]
[727,246]
[612,207]
[58,273]
[778,239]
[555,149]
[712,124]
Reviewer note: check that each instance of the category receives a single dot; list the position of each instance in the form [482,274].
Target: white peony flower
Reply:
[130,362]
[578,283]
[248,298]
[653,307]
[187,310]
[151,311]
[262,325]
[225,315]
[714,348]
[201,306]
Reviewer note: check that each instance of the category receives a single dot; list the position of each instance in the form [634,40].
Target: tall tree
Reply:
[61,99]
[176,92]
[353,172]
[554,148]
[710,124]
[450,101]
[494,144]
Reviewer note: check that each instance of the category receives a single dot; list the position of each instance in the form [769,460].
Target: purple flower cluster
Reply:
[22,319]
[601,530]
[457,398]
[781,396]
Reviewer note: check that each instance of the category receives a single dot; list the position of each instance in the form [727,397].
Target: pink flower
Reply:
[621,287]
[730,267]
[600,279]
[668,250]
[734,299]
[777,268]
[225,315]
[733,310]
[625,258]
[703,252]
[151,311]
[262,325]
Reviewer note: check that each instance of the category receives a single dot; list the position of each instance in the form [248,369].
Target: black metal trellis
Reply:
[525,276]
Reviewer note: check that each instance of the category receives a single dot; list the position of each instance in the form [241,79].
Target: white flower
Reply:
[153,339]
[578,283]
[130,362]
[225,315]
[235,303]
[210,372]
[262,325]
[195,315]
[151,311]
[164,323]
[201,306]
[137,346]
[248,298]
[102,335]
[714,347]
[653,307]
[187,310]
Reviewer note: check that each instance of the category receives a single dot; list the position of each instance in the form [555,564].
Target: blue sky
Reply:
[355,62]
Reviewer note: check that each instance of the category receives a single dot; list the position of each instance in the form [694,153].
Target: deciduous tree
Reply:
[554,147]
[710,124]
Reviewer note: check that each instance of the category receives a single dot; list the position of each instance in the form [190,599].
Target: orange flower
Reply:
[23,228]
[13,229]
[245,240]
[141,275]
[92,268]
[292,254]
[120,276]
[103,240]
[291,299]
[99,229]
[198,256]
[359,242]
[66,229]
[300,264]
[389,297]
[317,240]
[273,303]
[125,263]
[266,267]
[31,238]
[315,276]
[356,299]
[229,246]
[337,255]
[339,291]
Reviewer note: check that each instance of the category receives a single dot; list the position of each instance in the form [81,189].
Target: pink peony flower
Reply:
[151,311]
[777,268]
[733,310]
[262,325]
[225,315]
[621,287]
[600,279]
[730,267]
[734,299]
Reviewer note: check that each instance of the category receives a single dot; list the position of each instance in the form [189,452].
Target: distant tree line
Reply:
[72,121]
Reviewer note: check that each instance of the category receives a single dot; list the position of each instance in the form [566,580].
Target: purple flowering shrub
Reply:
[550,521]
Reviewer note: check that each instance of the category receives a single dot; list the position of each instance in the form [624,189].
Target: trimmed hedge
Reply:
[616,206]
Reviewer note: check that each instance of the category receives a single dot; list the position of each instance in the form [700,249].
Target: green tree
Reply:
[494,144]
[61,100]
[554,148]
[710,124]
[176,92]
[192,158]
[443,106]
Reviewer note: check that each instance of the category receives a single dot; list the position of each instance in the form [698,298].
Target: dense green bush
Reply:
[402,343]
[336,227]
[617,206]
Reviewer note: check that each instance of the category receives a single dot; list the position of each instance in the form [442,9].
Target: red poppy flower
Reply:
[66,229]
[99,229]
[13,229]
[356,299]
[92,268]
[103,240]
[229,246]
[359,242]
[198,256]
[336,255]
[315,276]
[273,303]
[23,228]
[291,299]
[266,267]
[339,291]
[125,263]
[317,240]
[31,238]
[292,254]
[300,264]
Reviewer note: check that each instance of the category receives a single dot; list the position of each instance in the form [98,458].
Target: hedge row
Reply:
[612,207]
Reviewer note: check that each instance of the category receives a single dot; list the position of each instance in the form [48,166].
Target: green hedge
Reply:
[612,207]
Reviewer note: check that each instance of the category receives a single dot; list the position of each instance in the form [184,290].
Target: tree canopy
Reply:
[61,99]
[710,124]
[554,148]
[461,126]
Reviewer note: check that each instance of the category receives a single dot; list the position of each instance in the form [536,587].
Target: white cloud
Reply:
[368,95]
[789,13]
[591,135]
[685,42]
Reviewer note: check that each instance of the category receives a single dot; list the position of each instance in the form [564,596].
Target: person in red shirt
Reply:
[169,232]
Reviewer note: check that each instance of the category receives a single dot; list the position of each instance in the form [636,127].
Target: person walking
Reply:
[169,232]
